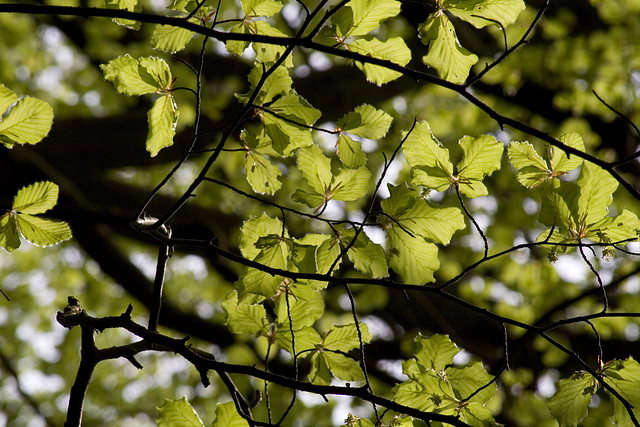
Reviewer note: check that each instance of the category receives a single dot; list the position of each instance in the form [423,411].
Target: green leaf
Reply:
[36,198]
[451,60]
[350,184]
[400,199]
[482,157]
[433,222]
[616,229]
[43,232]
[572,398]
[302,312]
[365,121]
[319,373]
[422,392]
[560,163]
[267,53]
[287,122]
[367,257]
[262,174]
[353,421]
[242,317]
[27,122]
[596,190]
[345,337]
[360,17]
[178,413]
[343,367]
[261,7]
[227,416]
[422,149]
[481,13]
[435,352]
[532,169]
[255,228]
[7,98]
[259,282]
[560,206]
[623,376]
[132,77]
[295,108]
[394,50]
[9,236]
[277,83]
[306,339]
[169,38]
[413,258]
[350,152]
[477,415]
[163,119]
[131,6]
[315,168]
[328,251]
[312,200]
[467,380]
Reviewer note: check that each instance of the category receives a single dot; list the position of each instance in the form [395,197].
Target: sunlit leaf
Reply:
[169,38]
[343,367]
[366,121]
[350,184]
[262,174]
[350,152]
[560,162]
[345,337]
[315,168]
[623,376]
[163,119]
[261,7]
[43,232]
[446,55]
[532,169]
[467,380]
[411,257]
[422,391]
[435,352]
[7,98]
[394,50]
[131,77]
[572,398]
[481,157]
[243,318]
[422,149]
[178,413]
[131,6]
[596,193]
[319,373]
[481,13]
[27,123]
[227,416]
[36,198]
[9,236]
[433,222]
[367,257]
[360,17]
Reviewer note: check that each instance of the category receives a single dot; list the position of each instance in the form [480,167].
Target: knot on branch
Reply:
[72,315]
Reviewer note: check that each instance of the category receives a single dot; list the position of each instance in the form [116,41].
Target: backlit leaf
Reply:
[623,376]
[319,373]
[7,98]
[367,257]
[169,38]
[131,6]
[532,169]
[360,17]
[253,229]
[366,121]
[261,7]
[9,236]
[43,232]
[350,184]
[27,123]
[178,413]
[481,13]
[343,367]
[137,78]
[422,391]
[345,337]
[559,161]
[227,416]
[394,50]
[572,398]
[467,380]
[315,168]
[481,156]
[446,55]
[422,149]
[262,174]
[36,198]
[163,119]
[412,258]
[435,223]
[350,152]
[435,352]
[596,193]
[244,318]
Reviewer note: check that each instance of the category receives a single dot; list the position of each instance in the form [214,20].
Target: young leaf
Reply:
[327,253]
[227,416]
[27,123]
[7,98]
[615,229]
[277,83]
[174,413]
[367,257]
[300,312]
[242,317]
[345,337]
[467,380]
[422,391]
[360,17]
[261,173]
[343,367]
[435,352]
[315,168]
[287,122]
[481,13]
[170,39]
[130,5]
[532,169]
[163,119]
[319,372]
[365,121]
[9,236]
[268,53]
[253,229]
[132,77]
[43,232]
[400,199]
[477,415]
[394,50]
[306,338]
[596,190]
[451,60]
[413,258]
[350,152]
[422,149]
[36,198]
[261,7]
[435,223]
[350,184]
[623,377]
[560,163]
[572,398]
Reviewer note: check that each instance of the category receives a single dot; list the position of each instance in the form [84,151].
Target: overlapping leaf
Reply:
[394,50]
[173,39]
[28,121]
[366,122]
[29,201]
[131,6]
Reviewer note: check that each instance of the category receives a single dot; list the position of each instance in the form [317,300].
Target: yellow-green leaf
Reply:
[178,413]
[227,416]
[27,122]
[394,50]
[43,232]
[36,198]
[163,119]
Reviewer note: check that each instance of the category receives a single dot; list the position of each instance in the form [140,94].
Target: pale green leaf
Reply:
[286,134]
[36,198]
[302,312]
[178,413]
[412,258]
[477,415]
[319,373]
[27,122]
[559,207]
[315,168]
[435,352]
[277,83]
[400,199]
[306,339]
[481,13]
[227,416]
[131,6]
[467,380]
[363,422]
[163,119]
[532,169]
[255,228]
[262,174]
[9,236]
[268,53]
[422,149]
[7,98]
[394,50]
[473,188]
[345,337]
[169,38]
[258,282]
[343,367]
[131,77]
[596,193]
[237,47]
[242,317]
[295,108]
[367,257]
[559,161]
[422,392]
[328,251]
[360,17]
[43,232]
[433,222]
[446,55]
[622,227]
[431,177]
[261,7]
[572,398]
[481,156]
[350,152]
[312,200]
[350,184]
[623,376]
[365,121]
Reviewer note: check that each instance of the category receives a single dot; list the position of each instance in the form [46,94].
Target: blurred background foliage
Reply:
[96,154]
